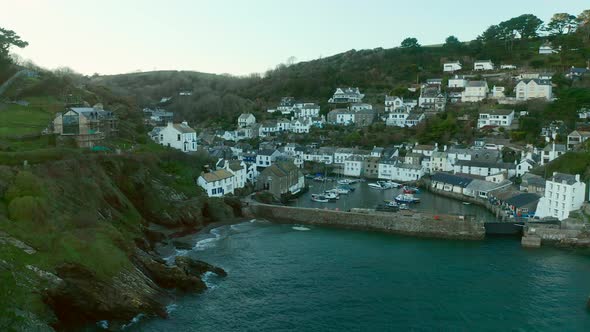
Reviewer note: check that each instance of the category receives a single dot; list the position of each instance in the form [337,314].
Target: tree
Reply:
[410,43]
[527,25]
[561,23]
[9,38]
[452,43]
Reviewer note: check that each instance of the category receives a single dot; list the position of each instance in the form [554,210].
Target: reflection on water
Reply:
[366,197]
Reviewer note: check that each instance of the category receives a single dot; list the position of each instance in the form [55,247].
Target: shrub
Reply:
[25,184]
[28,209]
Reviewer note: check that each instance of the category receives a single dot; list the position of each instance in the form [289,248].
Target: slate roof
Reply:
[451,179]
[522,199]
[216,175]
[498,112]
[561,177]
[266,152]
[476,84]
[489,164]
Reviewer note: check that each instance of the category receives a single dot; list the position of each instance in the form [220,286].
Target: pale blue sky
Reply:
[241,36]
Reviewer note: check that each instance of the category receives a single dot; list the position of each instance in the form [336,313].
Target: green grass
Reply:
[16,120]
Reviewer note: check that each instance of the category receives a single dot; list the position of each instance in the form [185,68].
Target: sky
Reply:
[240,37]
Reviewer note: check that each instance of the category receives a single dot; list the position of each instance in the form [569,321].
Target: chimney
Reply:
[185,123]
[170,124]
[577,177]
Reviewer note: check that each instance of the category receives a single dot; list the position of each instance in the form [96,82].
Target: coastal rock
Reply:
[169,277]
[196,267]
[85,297]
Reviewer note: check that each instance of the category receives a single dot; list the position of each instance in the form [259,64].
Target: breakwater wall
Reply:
[414,224]
[566,235]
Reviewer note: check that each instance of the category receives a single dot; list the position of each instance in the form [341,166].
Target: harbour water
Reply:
[366,197]
[295,278]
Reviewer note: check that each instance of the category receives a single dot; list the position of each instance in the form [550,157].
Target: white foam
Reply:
[301,228]
[253,220]
[179,252]
[208,279]
[103,324]
[171,307]
[134,321]
[210,241]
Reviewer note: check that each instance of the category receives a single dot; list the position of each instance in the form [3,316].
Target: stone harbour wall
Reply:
[414,224]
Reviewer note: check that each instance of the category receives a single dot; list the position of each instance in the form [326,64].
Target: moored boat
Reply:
[407,198]
[376,185]
[319,198]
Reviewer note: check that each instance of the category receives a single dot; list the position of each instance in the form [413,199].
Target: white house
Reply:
[353,165]
[341,154]
[576,138]
[393,103]
[475,91]
[495,117]
[217,183]
[246,119]
[534,88]
[286,105]
[483,65]
[439,162]
[552,152]
[414,118]
[498,92]
[458,81]
[452,66]
[347,95]
[397,118]
[301,126]
[524,166]
[484,168]
[360,107]
[179,136]
[547,48]
[563,193]
[239,169]
[306,110]
[265,158]
[267,128]
[397,171]
[283,125]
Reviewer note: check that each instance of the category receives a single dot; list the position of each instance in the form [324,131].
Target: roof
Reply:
[280,169]
[477,61]
[477,84]
[561,177]
[498,112]
[536,80]
[533,180]
[216,175]
[558,147]
[522,199]
[266,152]
[183,128]
[486,186]
[235,165]
[244,116]
[424,147]
[451,179]
[488,164]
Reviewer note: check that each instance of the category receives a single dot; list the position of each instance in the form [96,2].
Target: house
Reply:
[306,110]
[286,105]
[584,113]
[217,183]
[523,205]
[283,125]
[439,162]
[577,72]
[428,95]
[434,82]
[246,119]
[524,166]
[481,189]
[577,137]
[341,154]
[484,168]
[393,103]
[360,107]
[268,128]
[354,165]
[532,183]
[563,193]
[458,81]
[449,67]
[87,125]
[498,92]
[413,158]
[238,169]
[397,117]
[547,48]
[495,117]
[157,117]
[346,95]
[534,88]
[425,150]
[266,157]
[371,167]
[348,117]
[414,118]
[483,65]
[301,126]
[176,135]
[393,170]
[282,178]
[475,91]
[449,182]
[552,152]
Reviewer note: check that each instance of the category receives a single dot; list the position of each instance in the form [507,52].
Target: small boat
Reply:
[377,186]
[386,208]
[392,204]
[407,198]
[346,186]
[331,195]
[410,190]
[346,181]
[319,198]
[341,191]
[404,207]
[319,179]
[466,203]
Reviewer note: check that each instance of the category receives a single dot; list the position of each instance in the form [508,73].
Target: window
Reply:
[178,137]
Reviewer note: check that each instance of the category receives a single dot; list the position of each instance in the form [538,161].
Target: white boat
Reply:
[403,207]
[331,195]
[376,186]
[407,198]
[319,198]
[346,181]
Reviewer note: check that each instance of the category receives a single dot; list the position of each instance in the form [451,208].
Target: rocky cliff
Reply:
[78,238]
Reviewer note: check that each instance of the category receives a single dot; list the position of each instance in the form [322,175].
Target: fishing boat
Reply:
[407,198]
[341,191]
[319,198]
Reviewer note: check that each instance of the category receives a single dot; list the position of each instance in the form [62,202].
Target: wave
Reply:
[210,241]
[178,252]
[171,307]
[103,324]
[134,321]
[209,279]
[301,228]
